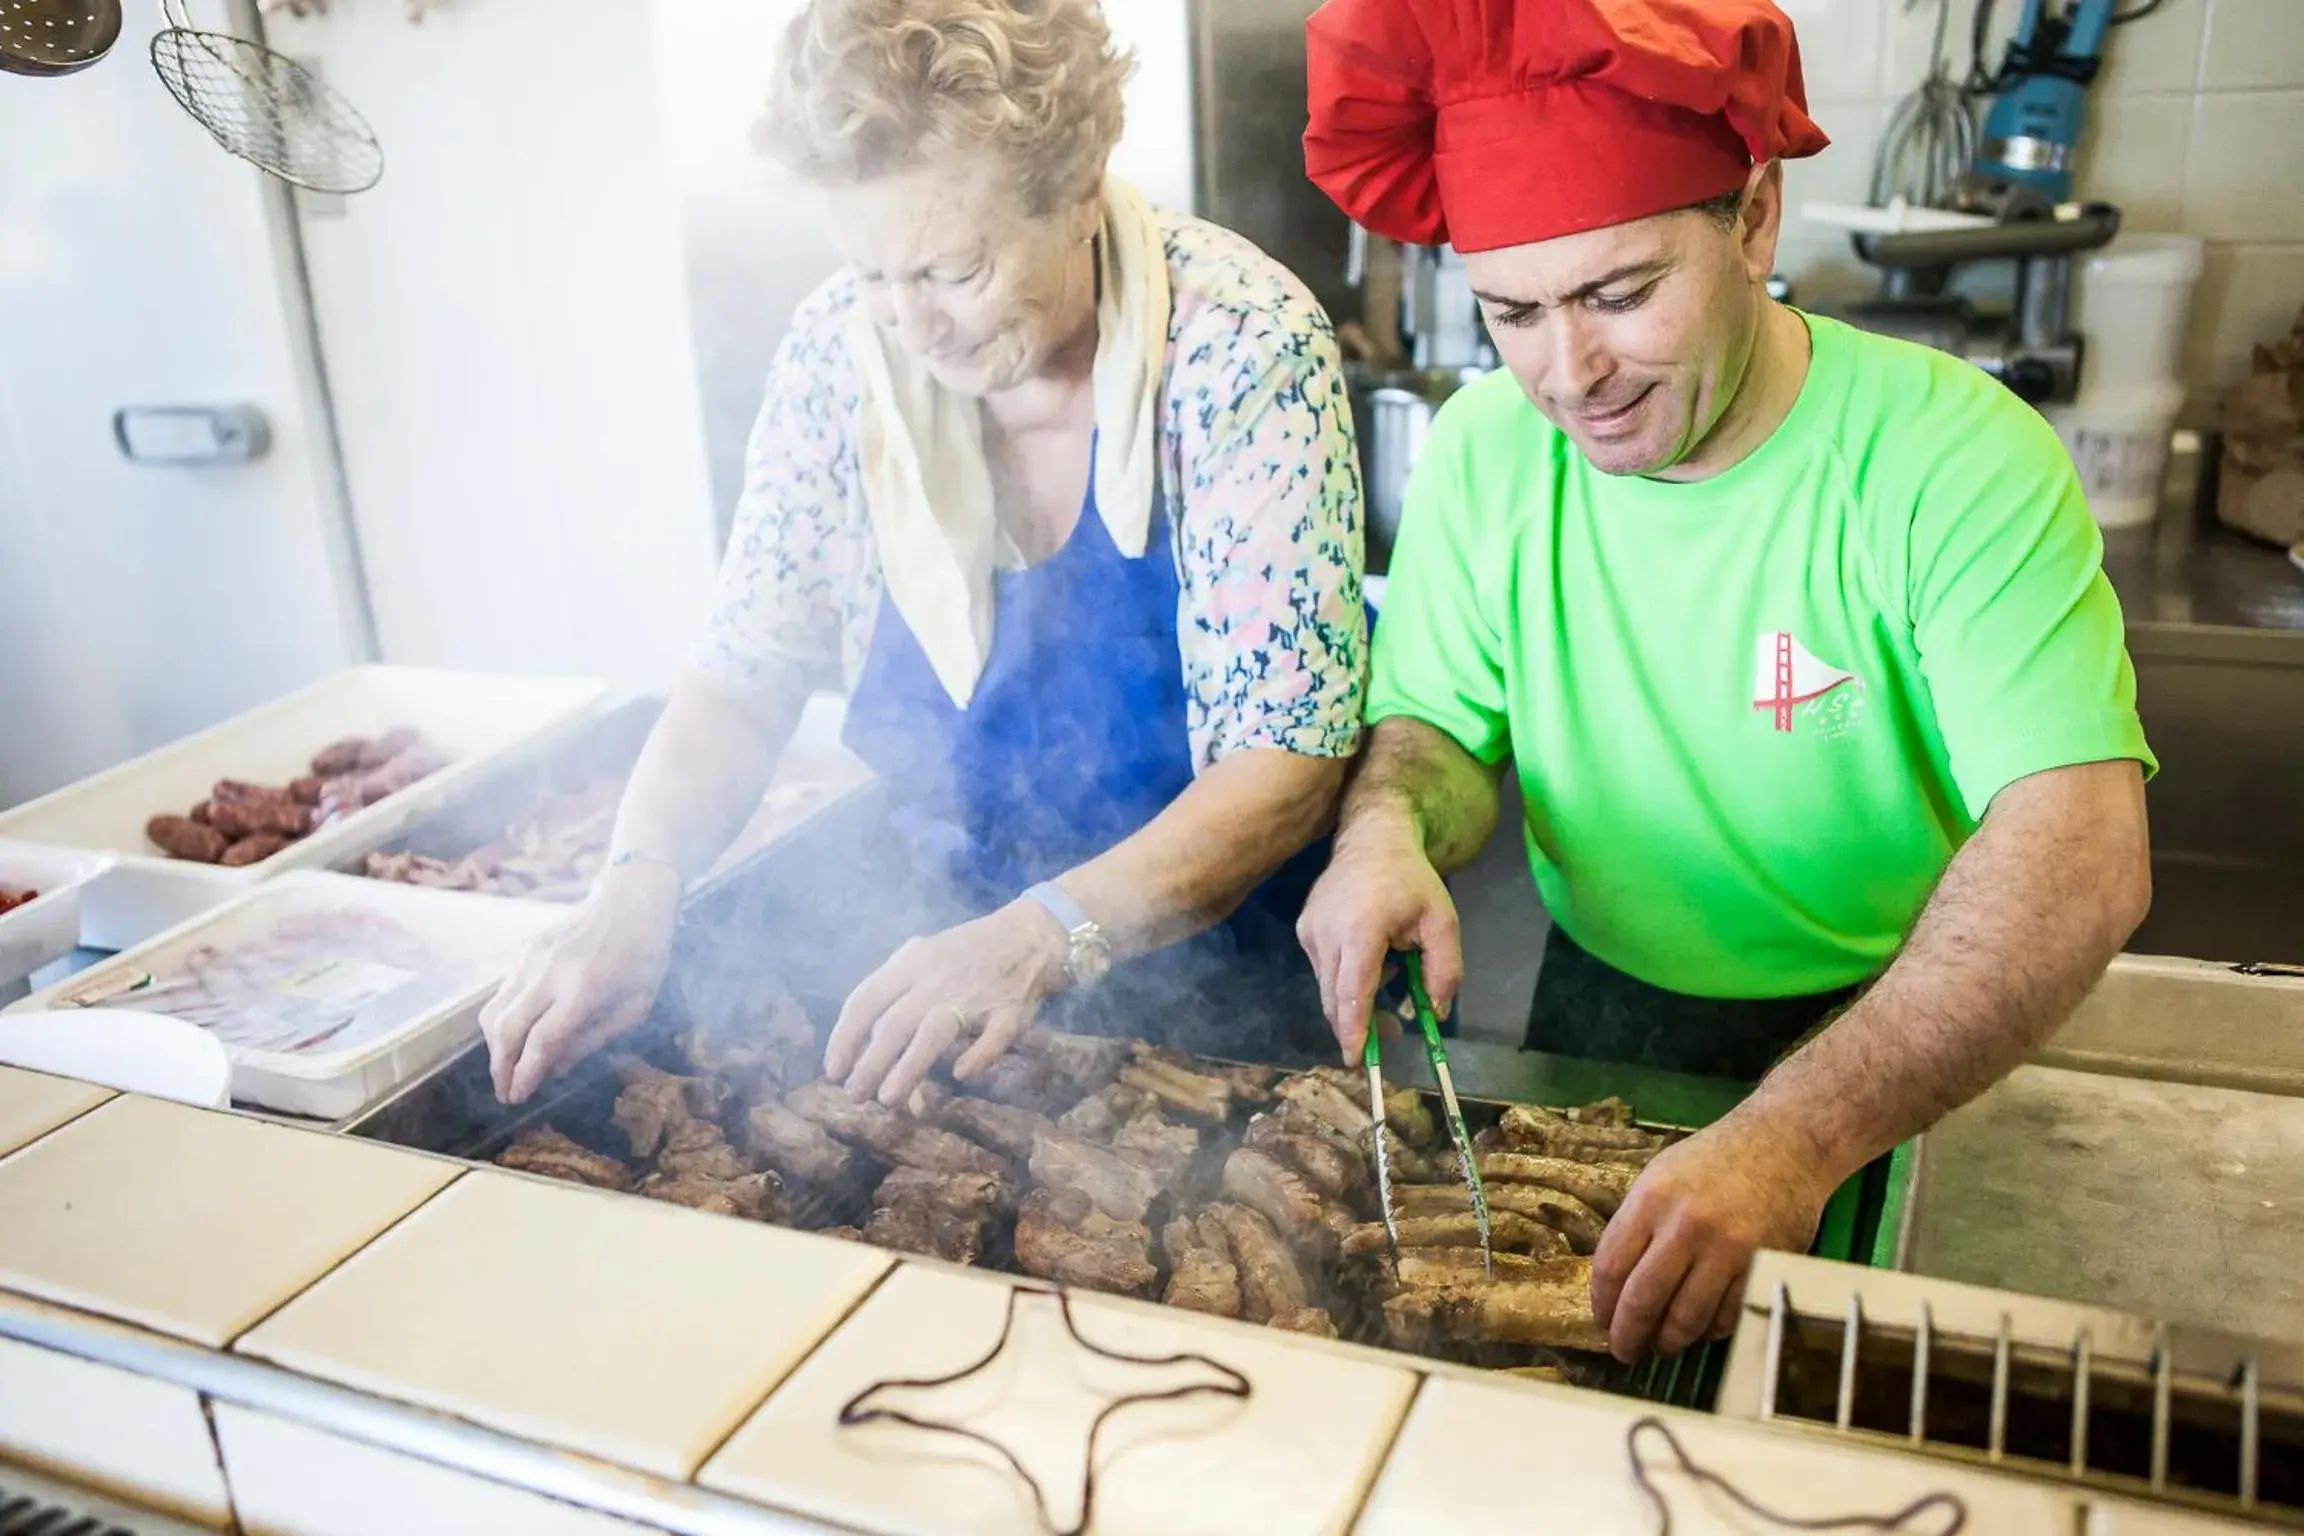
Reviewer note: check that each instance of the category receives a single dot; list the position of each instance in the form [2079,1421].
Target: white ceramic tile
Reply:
[190,1221]
[2247,167]
[1840,43]
[32,1104]
[292,1480]
[124,1434]
[2247,295]
[626,1329]
[1843,172]
[1910,32]
[2133,154]
[1294,1458]
[1475,1456]
[1825,272]
[2253,43]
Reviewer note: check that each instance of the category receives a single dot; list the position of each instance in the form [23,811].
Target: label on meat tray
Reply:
[340,981]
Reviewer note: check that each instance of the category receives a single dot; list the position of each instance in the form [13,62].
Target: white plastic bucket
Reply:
[2131,301]
[2119,442]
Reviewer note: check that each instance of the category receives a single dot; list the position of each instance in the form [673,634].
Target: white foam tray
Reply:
[485,934]
[473,718]
[49,928]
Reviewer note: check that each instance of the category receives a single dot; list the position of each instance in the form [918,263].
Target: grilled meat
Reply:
[1118,1187]
[1081,1064]
[1285,1200]
[1270,1283]
[1608,1111]
[1327,1164]
[544,1150]
[1163,1150]
[1061,1236]
[1102,1113]
[1404,1108]
[1602,1186]
[929,1230]
[1004,1128]
[963,1194]
[1193,1093]
[1508,1232]
[1529,1129]
[766,1053]
[1328,1104]
[1202,1277]
[754,1196]
[1565,1214]
[794,1146]
[1427,1269]
[1014,1079]
[1555,1311]
[1314,1321]
[1252,1085]
[647,1108]
[898,1138]
[695,1149]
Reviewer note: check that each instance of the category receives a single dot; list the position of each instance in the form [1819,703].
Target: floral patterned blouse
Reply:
[1257,471]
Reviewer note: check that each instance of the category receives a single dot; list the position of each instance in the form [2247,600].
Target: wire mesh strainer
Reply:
[265,107]
[56,37]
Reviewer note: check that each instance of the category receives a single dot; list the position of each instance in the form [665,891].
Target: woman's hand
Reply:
[986,977]
[1379,893]
[585,984]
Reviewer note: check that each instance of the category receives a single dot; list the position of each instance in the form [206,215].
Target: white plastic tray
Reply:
[472,718]
[49,928]
[405,1013]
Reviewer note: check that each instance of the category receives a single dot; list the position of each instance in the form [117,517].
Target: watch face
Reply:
[1090,960]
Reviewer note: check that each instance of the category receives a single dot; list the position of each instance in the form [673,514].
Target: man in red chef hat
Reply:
[1797,636]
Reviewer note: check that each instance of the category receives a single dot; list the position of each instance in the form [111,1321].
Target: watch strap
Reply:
[1061,907]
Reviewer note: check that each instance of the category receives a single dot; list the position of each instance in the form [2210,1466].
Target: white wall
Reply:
[506,326]
[137,603]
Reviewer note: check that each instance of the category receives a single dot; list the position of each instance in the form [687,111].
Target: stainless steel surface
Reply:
[2188,1021]
[1248,113]
[1392,410]
[1438,315]
[2173,1200]
[2097,1398]
[655,1502]
[1380,1145]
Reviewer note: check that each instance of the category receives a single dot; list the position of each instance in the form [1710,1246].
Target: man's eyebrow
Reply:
[1649,268]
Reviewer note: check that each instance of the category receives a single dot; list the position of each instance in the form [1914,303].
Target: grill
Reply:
[2104,1400]
[32,1505]
[453,1110]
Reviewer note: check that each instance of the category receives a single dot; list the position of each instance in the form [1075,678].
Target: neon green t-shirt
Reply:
[1755,716]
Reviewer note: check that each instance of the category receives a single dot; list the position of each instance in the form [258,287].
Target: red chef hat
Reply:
[1486,123]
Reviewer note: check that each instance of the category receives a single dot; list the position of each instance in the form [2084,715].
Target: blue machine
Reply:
[2032,131]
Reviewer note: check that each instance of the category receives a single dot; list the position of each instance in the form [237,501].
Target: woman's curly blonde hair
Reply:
[868,88]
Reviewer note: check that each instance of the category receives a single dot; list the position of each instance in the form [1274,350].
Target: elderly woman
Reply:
[1061,490]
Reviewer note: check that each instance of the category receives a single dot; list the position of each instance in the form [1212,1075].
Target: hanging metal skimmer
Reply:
[265,107]
[56,37]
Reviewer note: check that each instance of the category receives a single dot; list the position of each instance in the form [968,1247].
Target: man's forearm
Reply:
[1417,781]
[2024,922]
[1191,865]
[703,771]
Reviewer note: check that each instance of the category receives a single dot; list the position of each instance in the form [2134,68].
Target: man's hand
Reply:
[1379,893]
[988,977]
[1670,1268]
[586,983]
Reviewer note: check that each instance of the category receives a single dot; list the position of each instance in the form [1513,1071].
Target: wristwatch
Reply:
[1088,955]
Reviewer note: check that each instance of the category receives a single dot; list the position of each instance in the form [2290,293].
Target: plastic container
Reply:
[2132,300]
[47,929]
[474,719]
[326,991]
[2120,442]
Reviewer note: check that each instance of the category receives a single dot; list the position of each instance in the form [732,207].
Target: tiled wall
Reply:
[2196,124]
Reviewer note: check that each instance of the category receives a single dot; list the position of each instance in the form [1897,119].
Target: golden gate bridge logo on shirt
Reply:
[1788,676]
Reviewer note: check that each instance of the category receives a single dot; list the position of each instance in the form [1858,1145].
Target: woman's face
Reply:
[952,266]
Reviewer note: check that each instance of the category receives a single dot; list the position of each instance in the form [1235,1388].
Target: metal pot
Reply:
[1391,413]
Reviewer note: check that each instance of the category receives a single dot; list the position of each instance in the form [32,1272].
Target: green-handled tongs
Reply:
[1437,1053]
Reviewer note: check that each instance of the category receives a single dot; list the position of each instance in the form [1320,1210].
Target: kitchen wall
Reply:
[2196,124]
[753,246]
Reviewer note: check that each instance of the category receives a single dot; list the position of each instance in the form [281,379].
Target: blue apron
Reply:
[1075,738]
